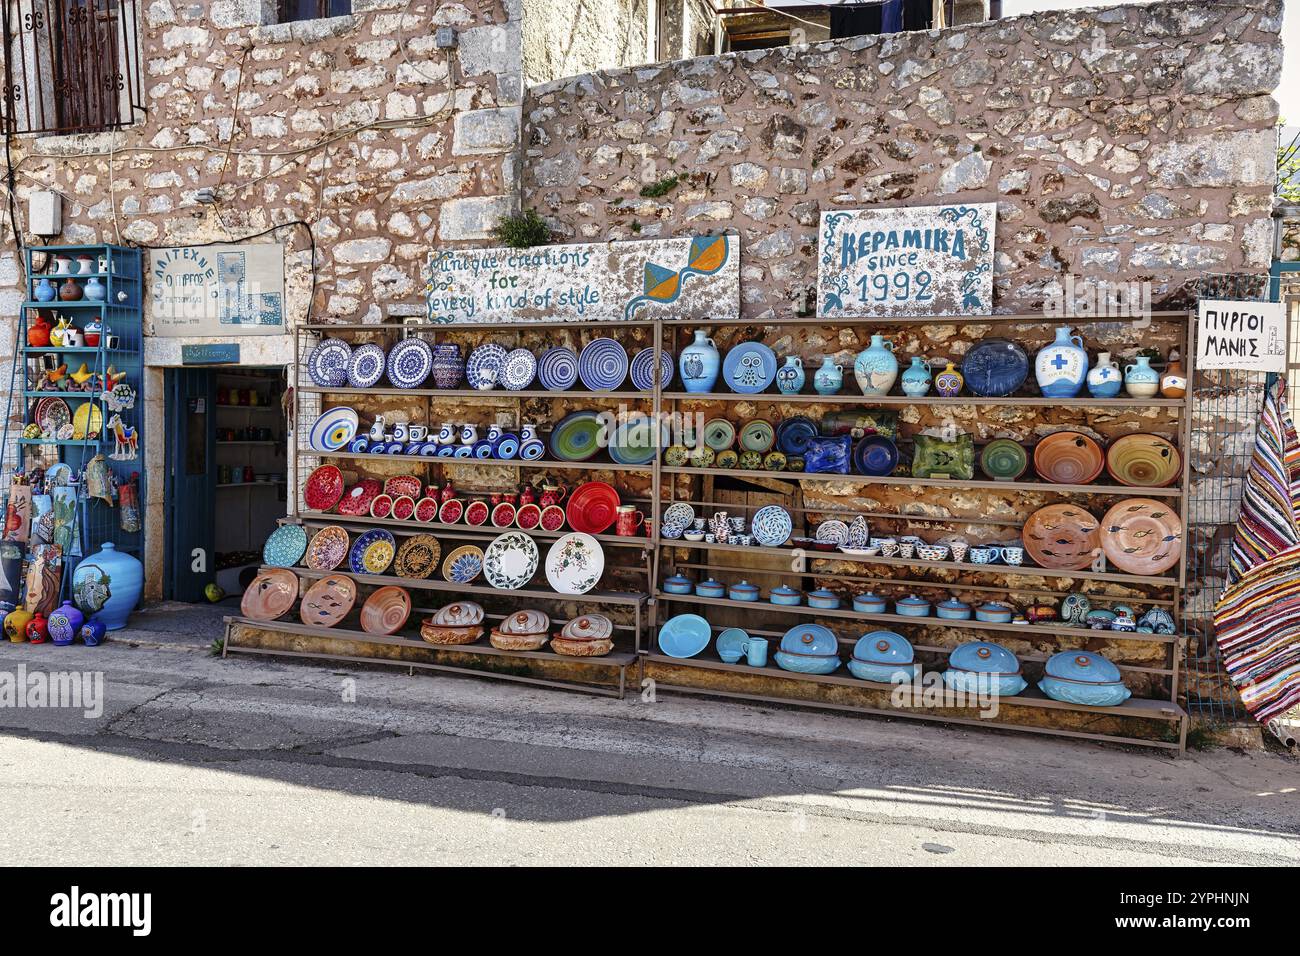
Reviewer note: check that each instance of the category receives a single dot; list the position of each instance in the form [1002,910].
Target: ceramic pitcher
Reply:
[876,369]
[828,379]
[916,377]
[699,364]
[1105,378]
[790,377]
[1062,367]
[1141,380]
[1173,384]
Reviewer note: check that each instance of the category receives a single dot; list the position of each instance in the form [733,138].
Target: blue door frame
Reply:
[190,494]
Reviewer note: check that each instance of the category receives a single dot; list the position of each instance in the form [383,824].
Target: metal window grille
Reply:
[290,10]
[70,66]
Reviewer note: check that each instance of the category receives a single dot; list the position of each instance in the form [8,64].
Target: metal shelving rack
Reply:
[121,315]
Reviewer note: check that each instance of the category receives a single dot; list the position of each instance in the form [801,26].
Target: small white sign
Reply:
[1249,336]
[218,290]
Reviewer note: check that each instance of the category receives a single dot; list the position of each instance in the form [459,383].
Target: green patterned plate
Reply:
[577,436]
[1004,460]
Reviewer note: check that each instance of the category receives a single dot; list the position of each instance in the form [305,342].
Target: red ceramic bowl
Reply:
[476,513]
[324,488]
[426,509]
[528,516]
[403,507]
[452,510]
[503,515]
[552,518]
[381,506]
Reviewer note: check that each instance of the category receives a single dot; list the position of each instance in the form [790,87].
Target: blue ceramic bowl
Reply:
[882,673]
[823,599]
[880,655]
[984,667]
[807,663]
[913,606]
[953,610]
[678,584]
[684,635]
[994,613]
[1004,685]
[730,644]
[711,589]
[875,455]
[1083,677]
[744,591]
[1090,695]
[869,603]
[810,639]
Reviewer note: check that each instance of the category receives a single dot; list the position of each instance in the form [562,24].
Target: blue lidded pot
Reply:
[1083,677]
[784,594]
[809,649]
[953,610]
[994,613]
[982,667]
[913,606]
[883,656]
[823,599]
[744,591]
[711,589]
[869,603]
[678,584]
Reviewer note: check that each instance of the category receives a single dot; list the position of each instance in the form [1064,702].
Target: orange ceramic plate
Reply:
[1068,458]
[328,601]
[1062,537]
[1142,536]
[386,611]
[271,594]
[1143,461]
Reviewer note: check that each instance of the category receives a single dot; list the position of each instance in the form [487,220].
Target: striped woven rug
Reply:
[1270,501]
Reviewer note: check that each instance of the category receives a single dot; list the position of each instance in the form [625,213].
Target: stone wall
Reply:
[569,37]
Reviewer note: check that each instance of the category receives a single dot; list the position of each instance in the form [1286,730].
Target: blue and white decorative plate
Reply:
[602,365]
[333,429]
[518,369]
[285,547]
[532,450]
[409,363]
[771,526]
[749,367]
[643,369]
[357,556]
[328,363]
[483,369]
[367,365]
[557,369]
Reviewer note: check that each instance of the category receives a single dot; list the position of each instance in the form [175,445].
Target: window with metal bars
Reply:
[290,10]
[70,66]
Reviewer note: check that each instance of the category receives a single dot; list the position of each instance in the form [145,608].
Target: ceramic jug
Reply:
[1105,378]
[916,377]
[828,379]
[377,429]
[876,369]
[1141,380]
[95,290]
[948,383]
[1062,367]
[1173,384]
[699,364]
[38,333]
[790,377]
[70,291]
[45,291]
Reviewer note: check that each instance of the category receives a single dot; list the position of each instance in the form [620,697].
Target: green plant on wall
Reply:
[522,230]
[1288,171]
[661,187]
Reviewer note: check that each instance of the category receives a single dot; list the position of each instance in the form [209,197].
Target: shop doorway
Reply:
[226,468]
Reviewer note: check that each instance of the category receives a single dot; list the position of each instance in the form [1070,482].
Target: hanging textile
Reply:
[1257,620]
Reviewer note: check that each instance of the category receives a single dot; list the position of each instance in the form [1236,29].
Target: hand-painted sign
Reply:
[917,260]
[611,281]
[1241,335]
[217,290]
[224,354]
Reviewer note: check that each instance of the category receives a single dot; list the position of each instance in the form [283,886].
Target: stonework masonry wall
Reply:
[570,37]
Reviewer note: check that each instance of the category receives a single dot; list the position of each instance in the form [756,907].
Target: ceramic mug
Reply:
[983,554]
[418,432]
[755,651]
[629,520]
[1013,554]
[400,431]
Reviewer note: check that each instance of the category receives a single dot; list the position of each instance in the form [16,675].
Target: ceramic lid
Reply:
[810,640]
[589,627]
[952,604]
[460,614]
[823,593]
[913,601]
[525,622]
[883,647]
[868,597]
[1082,666]
[984,657]
[784,590]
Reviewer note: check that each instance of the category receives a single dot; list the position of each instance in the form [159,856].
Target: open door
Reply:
[191,482]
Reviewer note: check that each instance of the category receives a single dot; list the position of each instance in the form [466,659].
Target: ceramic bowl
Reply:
[932,552]
[869,603]
[994,613]
[1083,677]
[807,663]
[588,627]
[460,614]
[883,656]
[913,606]
[982,667]
[526,622]
[784,594]
[711,589]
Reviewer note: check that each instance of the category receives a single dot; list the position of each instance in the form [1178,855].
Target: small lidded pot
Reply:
[678,584]
[784,594]
[1083,677]
[994,613]
[982,667]
[913,606]
[869,603]
[883,656]
[953,610]
[711,589]
[744,591]
[823,599]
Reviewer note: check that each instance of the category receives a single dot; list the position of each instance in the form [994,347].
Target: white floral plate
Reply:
[574,563]
[510,561]
[772,526]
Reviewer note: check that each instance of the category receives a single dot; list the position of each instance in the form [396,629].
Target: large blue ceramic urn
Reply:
[107,585]
[1062,367]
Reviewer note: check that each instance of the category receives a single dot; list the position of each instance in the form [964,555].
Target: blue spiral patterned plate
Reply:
[749,367]
[772,526]
[328,363]
[334,429]
[518,369]
[285,547]
[602,365]
[643,369]
[409,363]
[367,365]
[483,368]
[557,369]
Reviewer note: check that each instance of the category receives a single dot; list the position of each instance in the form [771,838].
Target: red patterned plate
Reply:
[357,499]
[426,509]
[592,507]
[552,518]
[503,515]
[452,510]
[528,516]
[403,485]
[403,507]
[324,488]
[476,513]
[381,506]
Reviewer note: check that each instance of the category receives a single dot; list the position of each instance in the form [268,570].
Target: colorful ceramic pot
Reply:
[983,667]
[869,603]
[786,595]
[948,383]
[92,633]
[65,623]
[699,364]
[44,291]
[70,291]
[38,629]
[1062,367]
[107,584]
[95,290]
[1105,379]
[876,369]
[744,591]
[828,379]
[916,377]
[16,624]
[448,365]
[790,377]
[1140,379]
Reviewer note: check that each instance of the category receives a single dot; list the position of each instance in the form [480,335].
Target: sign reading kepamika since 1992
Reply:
[693,277]
[911,260]
[1249,336]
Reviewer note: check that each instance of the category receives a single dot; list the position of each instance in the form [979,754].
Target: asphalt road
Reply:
[199,760]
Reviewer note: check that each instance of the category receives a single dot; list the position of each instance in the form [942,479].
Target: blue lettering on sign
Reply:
[210,354]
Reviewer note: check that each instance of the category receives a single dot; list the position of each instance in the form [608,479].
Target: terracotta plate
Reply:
[1062,537]
[386,611]
[328,601]
[1143,461]
[1068,458]
[327,549]
[271,594]
[1142,536]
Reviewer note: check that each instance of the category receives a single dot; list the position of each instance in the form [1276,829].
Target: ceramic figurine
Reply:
[1141,380]
[1105,379]
[1074,610]
[1159,620]
[45,291]
[59,331]
[1124,619]
[916,377]
[1173,384]
[790,377]
[1062,367]
[828,379]
[948,383]
[876,369]
[699,364]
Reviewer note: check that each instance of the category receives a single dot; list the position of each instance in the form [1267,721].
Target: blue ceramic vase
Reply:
[790,377]
[1062,367]
[916,378]
[876,369]
[828,379]
[95,290]
[1105,378]
[107,585]
[699,364]
[45,291]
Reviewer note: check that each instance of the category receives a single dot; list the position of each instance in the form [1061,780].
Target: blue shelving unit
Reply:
[121,315]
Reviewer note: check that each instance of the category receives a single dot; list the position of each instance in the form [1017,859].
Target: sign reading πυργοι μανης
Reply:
[1249,336]
[685,278]
[217,290]
[910,260]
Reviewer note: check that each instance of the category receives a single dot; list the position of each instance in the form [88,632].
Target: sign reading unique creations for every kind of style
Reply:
[217,290]
[612,281]
[912,260]
[1241,335]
